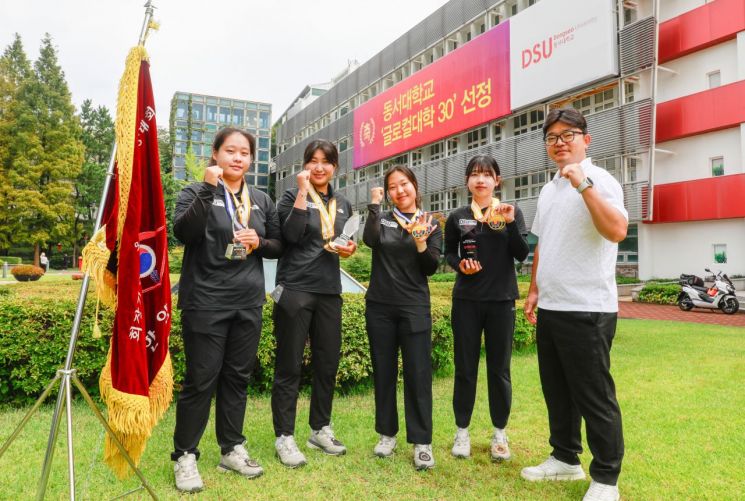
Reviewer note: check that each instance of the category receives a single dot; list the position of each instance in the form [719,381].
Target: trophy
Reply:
[237,251]
[468,245]
[350,228]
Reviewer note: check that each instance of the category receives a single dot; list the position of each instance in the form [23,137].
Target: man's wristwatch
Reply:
[586,183]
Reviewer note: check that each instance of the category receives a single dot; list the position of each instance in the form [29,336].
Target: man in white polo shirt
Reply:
[579,222]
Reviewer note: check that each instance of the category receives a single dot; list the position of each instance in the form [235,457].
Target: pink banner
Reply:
[465,88]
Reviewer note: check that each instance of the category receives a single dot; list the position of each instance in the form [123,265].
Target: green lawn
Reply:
[679,385]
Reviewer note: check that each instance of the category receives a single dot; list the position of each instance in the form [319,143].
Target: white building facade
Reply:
[662,84]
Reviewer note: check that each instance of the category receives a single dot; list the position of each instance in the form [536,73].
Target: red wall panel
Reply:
[720,197]
[714,109]
[708,25]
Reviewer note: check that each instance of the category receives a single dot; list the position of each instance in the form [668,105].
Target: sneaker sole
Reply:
[291,466]
[383,456]
[190,491]
[423,467]
[317,447]
[226,469]
[499,459]
[554,478]
[460,456]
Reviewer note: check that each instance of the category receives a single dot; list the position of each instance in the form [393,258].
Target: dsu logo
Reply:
[540,51]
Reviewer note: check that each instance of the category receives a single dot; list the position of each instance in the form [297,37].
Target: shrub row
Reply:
[34,339]
[659,293]
[10,260]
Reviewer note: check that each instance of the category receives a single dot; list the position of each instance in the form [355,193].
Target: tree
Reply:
[46,155]
[171,185]
[98,139]
[15,69]
[193,166]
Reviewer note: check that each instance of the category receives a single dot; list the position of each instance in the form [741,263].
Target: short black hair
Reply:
[226,132]
[483,163]
[327,147]
[569,116]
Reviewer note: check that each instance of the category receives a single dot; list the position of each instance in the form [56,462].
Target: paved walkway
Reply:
[627,309]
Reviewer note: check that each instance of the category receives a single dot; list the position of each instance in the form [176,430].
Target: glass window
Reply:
[211,100]
[251,120]
[262,180]
[720,253]
[197,149]
[435,151]
[262,168]
[251,106]
[181,134]
[453,145]
[224,116]
[631,242]
[497,132]
[179,148]
[238,117]
[476,138]
[197,111]
[264,143]
[526,122]
[263,120]
[631,169]
[211,113]
[251,179]
[182,108]
[344,144]
[179,174]
[717,166]
[416,158]
[341,181]
[263,156]
[715,79]
[179,161]
[196,135]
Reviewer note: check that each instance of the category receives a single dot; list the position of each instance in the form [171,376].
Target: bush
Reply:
[359,264]
[659,293]
[443,277]
[10,260]
[34,336]
[175,258]
[27,272]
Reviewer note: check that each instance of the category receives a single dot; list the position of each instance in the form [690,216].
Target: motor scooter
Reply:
[721,295]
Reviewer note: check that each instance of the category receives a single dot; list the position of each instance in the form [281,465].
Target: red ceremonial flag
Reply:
[128,258]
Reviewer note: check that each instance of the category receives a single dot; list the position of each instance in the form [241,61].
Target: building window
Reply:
[263,120]
[453,145]
[629,15]
[197,111]
[497,132]
[181,134]
[717,166]
[181,109]
[443,201]
[715,79]
[720,253]
[264,143]
[597,102]
[476,138]
[416,158]
[628,90]
[526,122]
[529,185]
[344,144]
[631,169]
[341,182]
[435,151]
[223,116]
[238,117]
[612,165]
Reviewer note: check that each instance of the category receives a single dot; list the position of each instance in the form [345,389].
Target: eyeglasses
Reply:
[566,137]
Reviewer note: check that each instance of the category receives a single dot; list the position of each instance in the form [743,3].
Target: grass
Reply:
[679,385]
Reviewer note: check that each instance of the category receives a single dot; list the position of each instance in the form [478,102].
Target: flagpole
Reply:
[68,374]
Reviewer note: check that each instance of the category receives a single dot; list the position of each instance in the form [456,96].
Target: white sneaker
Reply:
[239,461]
[553,469]
[601,492]
[462,444]
[423,459]
[324,440]
[385,446]
[288,453]
[187,474]
[500,450]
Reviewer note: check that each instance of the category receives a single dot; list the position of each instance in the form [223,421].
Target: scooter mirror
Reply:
[707,269]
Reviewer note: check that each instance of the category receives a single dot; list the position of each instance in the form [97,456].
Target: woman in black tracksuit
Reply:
[482,241]
[405,250]
[221,301]
[308,302]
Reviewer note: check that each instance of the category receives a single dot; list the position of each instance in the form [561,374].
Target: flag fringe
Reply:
[95,261]
[133,417]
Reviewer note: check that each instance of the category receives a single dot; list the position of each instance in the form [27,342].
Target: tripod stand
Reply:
[67,376]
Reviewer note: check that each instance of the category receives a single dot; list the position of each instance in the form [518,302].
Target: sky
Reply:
[263,51]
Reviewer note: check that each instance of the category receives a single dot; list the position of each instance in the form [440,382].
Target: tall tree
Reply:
[98,139]
[15,69]
[171,185]
[46,155]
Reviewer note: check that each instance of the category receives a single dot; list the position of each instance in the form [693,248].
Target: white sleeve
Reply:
[611,191]
[535,227]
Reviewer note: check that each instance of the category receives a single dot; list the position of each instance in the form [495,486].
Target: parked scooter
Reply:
[721,295]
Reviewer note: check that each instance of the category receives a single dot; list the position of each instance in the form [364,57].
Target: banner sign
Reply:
[461,90]
[556,46]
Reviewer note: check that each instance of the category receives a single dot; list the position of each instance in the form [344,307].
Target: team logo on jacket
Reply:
[218,203]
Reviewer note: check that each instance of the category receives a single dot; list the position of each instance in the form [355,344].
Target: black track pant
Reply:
[497,321]
[409,328]
[296,316]
[574,363]
[220,349]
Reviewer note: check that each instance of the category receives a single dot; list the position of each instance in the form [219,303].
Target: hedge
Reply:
[34,339]
[10,260]
[660,293]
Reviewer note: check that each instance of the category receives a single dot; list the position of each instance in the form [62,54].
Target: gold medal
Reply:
[494,219]
[419,230]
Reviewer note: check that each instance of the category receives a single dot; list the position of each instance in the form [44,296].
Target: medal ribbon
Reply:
[404,221]
[244,207]
[328,215]
[483,217]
